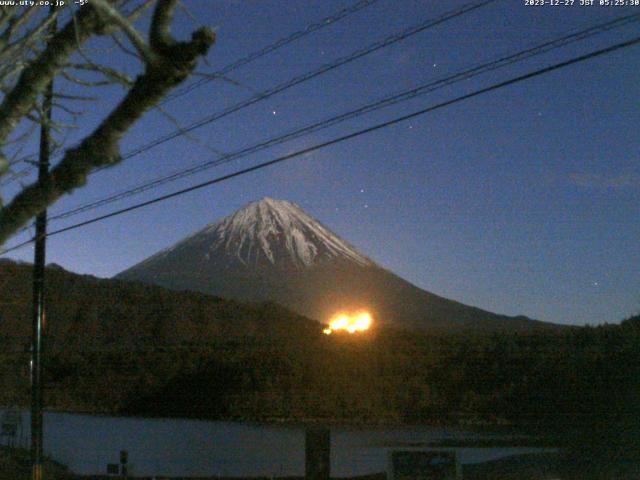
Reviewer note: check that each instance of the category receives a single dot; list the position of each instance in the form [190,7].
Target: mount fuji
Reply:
[271,250]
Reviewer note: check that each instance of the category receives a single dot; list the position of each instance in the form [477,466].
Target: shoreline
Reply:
[486,428]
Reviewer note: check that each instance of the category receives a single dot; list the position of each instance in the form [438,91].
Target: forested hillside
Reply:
[129,348]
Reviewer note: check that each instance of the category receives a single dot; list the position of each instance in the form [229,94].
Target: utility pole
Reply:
[38,312]
[317,453]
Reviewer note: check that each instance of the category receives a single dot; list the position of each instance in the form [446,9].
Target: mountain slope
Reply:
[272,250]
[265,234]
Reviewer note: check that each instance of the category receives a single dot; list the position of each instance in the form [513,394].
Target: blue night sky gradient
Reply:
[521,201]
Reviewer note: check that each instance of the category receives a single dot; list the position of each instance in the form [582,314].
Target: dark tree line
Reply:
[128,348]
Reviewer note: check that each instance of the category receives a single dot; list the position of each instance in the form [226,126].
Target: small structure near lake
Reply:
[424,465]
[11,427]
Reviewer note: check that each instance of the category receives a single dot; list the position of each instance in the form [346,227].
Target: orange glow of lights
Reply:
[359,322]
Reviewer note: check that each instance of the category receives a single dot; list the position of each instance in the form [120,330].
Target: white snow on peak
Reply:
[275,231]
[264,227]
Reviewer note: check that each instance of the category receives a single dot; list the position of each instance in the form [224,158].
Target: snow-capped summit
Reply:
[271,250]
[265,233]
[278,232]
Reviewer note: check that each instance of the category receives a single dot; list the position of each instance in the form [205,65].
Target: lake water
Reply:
[176,447]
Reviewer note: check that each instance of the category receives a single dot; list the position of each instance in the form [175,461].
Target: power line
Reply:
[343,138]
[13,176]
[325,22]
[397,37]
[386,42]
[282,42]
[385,102]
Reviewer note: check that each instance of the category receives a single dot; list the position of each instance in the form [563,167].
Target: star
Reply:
[435,65]
[274,112]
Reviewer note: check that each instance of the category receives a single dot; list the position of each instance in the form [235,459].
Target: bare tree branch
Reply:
[35,77]
[110,73]
[15,22]
[112,15]
[86,83]
[124,48]
[189,136]
[76,98]
[136,12]
[160,36]
[66,109]
[171,63]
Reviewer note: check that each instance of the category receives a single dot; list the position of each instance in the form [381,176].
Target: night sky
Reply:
[522,201]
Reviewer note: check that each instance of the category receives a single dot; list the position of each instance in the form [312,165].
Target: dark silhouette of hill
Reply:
[114,313]
[271,250]
[131,348]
